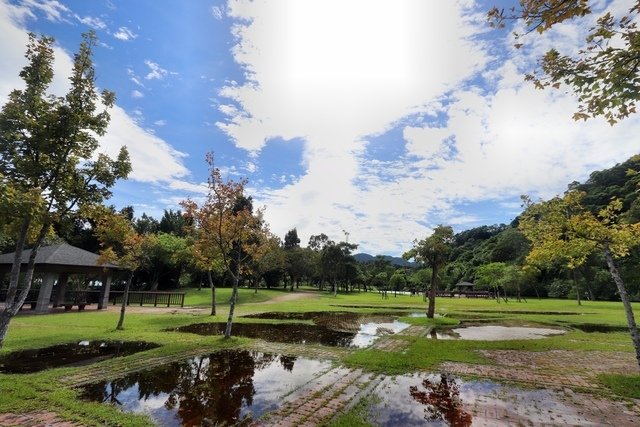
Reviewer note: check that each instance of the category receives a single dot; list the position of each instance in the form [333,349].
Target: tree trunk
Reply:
[13,305]
[125,300]
[232,305]
[622,290]
[432,293]
[213,293]
[575,282]
[155,280]
[14,276]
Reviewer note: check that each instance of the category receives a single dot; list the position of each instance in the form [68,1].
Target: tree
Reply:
[229,225]
[604,73]
[164,252]
[398,281]
[204,250]
[122,246]
[492,275]
[173,223]
[336,262]
[433,252]
[291,239]
[549,226]
[606,232]
[47,155]
[294,257]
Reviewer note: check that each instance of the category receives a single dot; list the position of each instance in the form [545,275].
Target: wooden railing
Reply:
[32,297]
[165,299]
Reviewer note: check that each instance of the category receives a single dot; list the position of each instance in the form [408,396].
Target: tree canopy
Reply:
[48,153]
[604,73]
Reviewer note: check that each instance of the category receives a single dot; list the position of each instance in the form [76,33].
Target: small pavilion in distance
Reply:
[56,263]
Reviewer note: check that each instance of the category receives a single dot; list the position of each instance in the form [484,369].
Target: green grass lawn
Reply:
[43,390]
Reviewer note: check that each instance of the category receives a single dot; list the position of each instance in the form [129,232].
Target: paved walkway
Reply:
[35,419]
[321,399]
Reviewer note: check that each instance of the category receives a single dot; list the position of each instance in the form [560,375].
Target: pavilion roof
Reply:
[60,255]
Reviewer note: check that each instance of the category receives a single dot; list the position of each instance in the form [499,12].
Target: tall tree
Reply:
[291,239]
[173,223]
[607,232]
[293,256]
[604,73]
[48,153]
[231,227]
[121,245]
[433,252]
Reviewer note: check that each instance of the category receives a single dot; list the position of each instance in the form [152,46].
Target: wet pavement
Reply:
[444,399]
[231,387]
[495,333]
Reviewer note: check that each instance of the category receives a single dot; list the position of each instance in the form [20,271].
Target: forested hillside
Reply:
[504,246]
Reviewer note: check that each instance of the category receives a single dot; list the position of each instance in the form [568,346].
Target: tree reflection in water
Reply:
[442,400]
[214,390]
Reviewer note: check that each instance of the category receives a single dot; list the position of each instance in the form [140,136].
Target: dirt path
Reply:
[293,296]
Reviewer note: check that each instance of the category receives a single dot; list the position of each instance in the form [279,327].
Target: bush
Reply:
[560,288]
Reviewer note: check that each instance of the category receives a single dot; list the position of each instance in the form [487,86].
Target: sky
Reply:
[371,120]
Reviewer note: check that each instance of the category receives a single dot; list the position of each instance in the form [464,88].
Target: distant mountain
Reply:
[393,259]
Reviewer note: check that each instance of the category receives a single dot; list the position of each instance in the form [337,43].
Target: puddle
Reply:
[369,332]
[291,333]
[423,314]
[441,399]
[495,333]
[593,327]
[550,313]
[229,387]
[331,329]
[378,307]
[281,315]
[78,354]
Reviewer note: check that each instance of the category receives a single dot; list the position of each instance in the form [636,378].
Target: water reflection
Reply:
[341,330]
[442,401]
[225,388]
[292,333]
[74,354]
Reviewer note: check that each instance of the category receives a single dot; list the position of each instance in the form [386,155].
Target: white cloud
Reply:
[156,72]
[136,94]
[379,62]
[124,34]
[389,64]
[91,21]
[160,122]
[52,9]
[218,12]
[134,78]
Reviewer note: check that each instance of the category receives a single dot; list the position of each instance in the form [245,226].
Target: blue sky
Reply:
[380,117]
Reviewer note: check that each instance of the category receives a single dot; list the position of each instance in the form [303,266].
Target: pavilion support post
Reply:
[103,302]
[61,288]
[42,304]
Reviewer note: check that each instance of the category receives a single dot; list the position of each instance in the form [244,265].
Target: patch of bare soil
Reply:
[291,297]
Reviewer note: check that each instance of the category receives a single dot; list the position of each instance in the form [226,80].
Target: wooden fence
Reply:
[164,299]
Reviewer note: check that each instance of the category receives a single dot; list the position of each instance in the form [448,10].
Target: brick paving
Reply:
[321,399]
[35,419]
[556,368]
